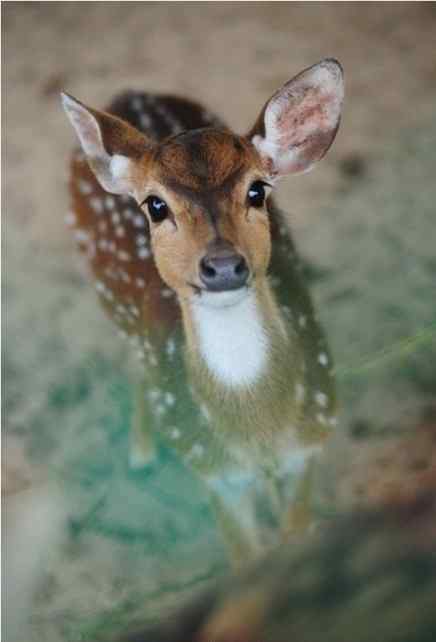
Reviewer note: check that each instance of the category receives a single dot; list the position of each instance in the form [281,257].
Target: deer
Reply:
[194,262]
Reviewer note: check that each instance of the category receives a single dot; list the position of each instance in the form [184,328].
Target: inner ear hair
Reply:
[298,124]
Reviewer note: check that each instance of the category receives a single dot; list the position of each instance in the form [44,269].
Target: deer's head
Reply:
[205,192]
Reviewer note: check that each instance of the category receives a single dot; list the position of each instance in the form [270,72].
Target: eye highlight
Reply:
[157,208]
[257,194]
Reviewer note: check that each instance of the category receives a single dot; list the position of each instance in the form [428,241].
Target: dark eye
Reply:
[256,194]
[157,209]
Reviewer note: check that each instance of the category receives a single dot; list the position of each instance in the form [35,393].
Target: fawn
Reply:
[194,262]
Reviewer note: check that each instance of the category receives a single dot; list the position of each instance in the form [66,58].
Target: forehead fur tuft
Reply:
[202,159]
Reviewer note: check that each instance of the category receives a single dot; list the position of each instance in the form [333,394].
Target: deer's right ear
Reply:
[111,145]
[299,122]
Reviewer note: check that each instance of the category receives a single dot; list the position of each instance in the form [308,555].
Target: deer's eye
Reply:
[256,194]
[157,208]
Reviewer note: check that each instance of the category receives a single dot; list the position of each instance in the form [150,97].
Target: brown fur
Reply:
[156,312]
[203,176]
[202,159]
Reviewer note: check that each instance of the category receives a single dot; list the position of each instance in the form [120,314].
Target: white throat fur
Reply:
[232,339]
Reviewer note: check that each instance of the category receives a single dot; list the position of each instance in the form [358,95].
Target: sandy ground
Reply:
[364,220]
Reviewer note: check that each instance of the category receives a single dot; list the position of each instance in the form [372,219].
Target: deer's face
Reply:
[205,195]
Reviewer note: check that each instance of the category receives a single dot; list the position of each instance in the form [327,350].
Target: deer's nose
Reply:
[222,268]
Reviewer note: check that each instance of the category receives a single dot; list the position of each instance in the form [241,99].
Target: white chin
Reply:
[222,299]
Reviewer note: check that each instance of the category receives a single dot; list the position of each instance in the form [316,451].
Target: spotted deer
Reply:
[195,264]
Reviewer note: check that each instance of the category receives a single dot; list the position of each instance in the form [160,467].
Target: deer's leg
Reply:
[298,514]
[142,446]
[234,503]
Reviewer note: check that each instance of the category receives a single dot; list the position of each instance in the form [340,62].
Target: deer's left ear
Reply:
[299,122]
[111,145]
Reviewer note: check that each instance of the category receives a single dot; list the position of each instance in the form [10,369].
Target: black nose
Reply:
[223,269]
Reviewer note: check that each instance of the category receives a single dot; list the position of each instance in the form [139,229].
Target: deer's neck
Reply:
[232,341]
[246,367]
[242,357]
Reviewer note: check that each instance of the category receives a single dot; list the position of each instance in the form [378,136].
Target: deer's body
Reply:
[238,377]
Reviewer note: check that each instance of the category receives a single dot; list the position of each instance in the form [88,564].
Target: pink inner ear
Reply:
[89,134]
[301,120]
[305,128]
[311,113]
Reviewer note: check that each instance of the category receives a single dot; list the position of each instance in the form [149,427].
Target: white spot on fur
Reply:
[160,409]
[300,392]
[302,320]
[100,286]
[70,219]
[171,347]
[81,236]
[204,411]
[145,121]
[135,341]
[125,276]
[109,202]
[108,295]
[168,118]
[196,452]
[170,399]
[144,253]
[154,394]
[323,359]
[321,418]
[232,339]
[175,433]
[295,462]
[123,255]
[208,118]
[137,103]
[96,204]
[138,220]
[84,186]
[141,239]
[321,399]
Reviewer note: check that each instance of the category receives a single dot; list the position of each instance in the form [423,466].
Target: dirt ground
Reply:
[364,221]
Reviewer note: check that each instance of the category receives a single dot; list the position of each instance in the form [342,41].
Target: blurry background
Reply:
[364,220]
